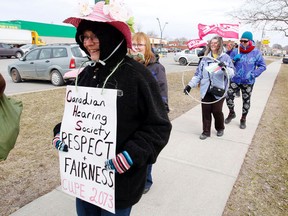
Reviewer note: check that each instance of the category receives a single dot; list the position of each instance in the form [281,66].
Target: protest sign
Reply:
[223,29]
[196,43]
[89,129]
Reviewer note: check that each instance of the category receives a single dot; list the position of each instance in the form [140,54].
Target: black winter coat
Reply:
[143,126]
[159,73]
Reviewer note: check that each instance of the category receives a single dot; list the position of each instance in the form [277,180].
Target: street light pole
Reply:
[161,31]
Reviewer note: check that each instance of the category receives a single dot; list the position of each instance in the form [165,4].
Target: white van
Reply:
[187,56]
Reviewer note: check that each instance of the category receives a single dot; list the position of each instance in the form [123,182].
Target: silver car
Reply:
[9,51]
[187,56]
[49,62]
[27,47]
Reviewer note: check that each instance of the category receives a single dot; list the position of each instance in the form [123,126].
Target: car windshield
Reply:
[77,52]
[6,46]
[32,55]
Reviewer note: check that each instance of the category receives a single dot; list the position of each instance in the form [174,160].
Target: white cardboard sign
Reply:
[89,129]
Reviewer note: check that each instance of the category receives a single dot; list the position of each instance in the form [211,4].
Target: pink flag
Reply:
[195,43]
[223,30]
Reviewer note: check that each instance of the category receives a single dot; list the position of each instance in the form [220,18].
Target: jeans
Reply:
[87,209]
[149,180]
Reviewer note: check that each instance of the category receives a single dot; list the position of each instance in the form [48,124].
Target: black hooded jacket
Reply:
[143,126]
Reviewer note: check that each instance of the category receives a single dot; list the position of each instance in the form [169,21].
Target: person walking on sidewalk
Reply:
[212,104]
[143,126]
[142,52]
[249,64]
[232,51]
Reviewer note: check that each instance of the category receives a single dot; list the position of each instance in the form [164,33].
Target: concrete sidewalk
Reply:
[192,177]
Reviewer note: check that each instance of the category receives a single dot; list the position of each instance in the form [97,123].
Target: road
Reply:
[16,88]
[171,66]
[32,86]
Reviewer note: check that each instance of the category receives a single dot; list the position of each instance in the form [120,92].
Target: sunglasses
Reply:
[244,41]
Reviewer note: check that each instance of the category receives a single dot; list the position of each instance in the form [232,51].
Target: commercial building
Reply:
[49,33]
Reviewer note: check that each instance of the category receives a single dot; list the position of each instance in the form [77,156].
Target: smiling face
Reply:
[244,42]
[91,44]
[139,46]
[214,45]
[229,46]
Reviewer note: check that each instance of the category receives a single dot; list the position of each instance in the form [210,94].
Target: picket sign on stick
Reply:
[196,43]
[89,129]
[223,30]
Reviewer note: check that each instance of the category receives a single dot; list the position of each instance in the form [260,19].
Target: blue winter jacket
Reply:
[250,66]
[218,78]
[232,53]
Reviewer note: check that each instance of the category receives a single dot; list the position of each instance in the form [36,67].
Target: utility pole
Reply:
[263,43]
[161,31]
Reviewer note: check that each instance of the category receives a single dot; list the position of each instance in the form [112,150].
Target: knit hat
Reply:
[248,35]
[112,13]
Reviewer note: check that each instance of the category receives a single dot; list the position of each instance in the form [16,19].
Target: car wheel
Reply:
[16,78]
[183,61]
[18,55]
[56,78]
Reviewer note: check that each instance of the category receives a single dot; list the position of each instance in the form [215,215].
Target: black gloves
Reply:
[222,65]
[187,89]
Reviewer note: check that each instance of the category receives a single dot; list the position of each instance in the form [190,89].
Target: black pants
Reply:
[246,91]
[214,109]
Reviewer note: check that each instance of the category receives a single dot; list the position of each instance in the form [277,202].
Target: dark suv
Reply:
[8,51]
[285,59]
[49,62]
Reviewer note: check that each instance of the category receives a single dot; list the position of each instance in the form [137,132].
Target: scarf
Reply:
[248,49]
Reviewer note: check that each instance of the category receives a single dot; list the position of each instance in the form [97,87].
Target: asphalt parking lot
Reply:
[31,86]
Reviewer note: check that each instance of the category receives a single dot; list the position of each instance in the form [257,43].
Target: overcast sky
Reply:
[182,16]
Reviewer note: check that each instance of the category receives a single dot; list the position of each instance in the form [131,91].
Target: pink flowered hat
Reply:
[111,12]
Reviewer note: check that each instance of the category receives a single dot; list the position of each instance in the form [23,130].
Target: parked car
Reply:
[9,51]
[174,49]
[49,62]
[71,75]
[186,56]
[285,60]
[161,51]
[27,47]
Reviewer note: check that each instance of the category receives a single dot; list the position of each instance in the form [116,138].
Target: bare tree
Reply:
[270,13]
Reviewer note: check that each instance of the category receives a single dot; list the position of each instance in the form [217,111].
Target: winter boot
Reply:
[243,123]
[231,116]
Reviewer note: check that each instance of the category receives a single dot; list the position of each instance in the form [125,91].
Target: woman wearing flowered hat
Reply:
[249,64]
[143,126]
